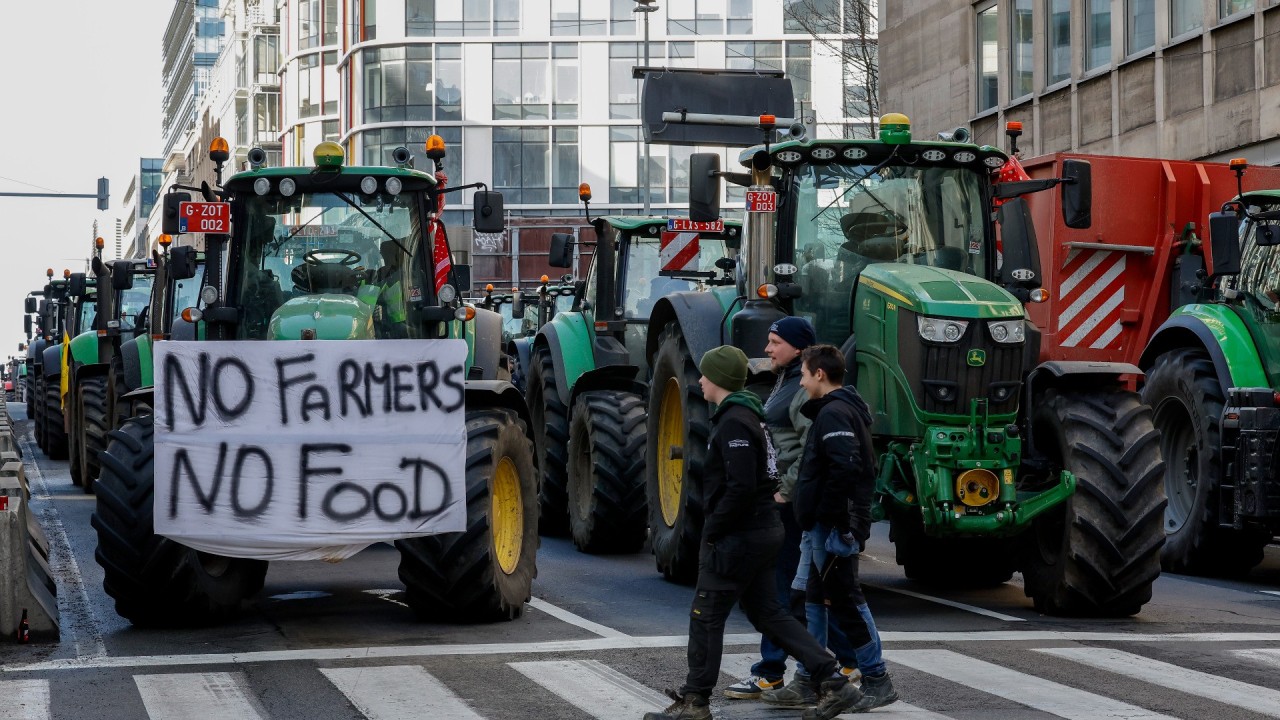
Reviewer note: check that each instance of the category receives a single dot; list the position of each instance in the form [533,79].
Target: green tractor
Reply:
[587,374]
[1213,382]
[318,259]
[108,311]
[51,434]
[990,461]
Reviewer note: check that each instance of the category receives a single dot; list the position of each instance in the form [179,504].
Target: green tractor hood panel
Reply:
[940,293]
[331,317]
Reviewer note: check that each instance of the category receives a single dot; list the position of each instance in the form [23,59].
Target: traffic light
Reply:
[103,193]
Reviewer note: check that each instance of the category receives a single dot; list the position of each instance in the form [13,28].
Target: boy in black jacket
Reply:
[741,535]
[832,501]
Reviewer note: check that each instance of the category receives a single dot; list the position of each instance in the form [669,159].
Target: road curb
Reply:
[26,581]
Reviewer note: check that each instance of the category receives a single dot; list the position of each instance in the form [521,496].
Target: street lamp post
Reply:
[646,7]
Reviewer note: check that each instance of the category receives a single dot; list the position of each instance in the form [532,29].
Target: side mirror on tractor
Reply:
[29,305]
[121,276]
[561,254]
[1077,193]
[1021,253]
[487,215]
[169,218]
[182,262]
[76,285]
[1224,243]
[704,187]
[26,326]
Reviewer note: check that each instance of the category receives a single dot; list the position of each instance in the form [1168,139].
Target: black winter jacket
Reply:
[737,492]
[838,471]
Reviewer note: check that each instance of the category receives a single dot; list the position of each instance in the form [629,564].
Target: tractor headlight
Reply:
[941,330]
[1007,331]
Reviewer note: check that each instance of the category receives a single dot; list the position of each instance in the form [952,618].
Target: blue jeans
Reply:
[816,614]
[836,584]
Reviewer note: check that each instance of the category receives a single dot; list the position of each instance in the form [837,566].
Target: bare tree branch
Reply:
[847,29]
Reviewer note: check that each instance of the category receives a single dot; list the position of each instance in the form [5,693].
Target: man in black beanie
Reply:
[741,535]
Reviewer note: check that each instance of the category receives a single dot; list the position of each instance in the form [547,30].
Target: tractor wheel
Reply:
[948,562]
[92,428]
[55,436]
[74,451]
[118,409]
[486,572]
[1186,400]
[678,427]
[607,512]
[35,411]
[1098,553]
[550,419]
[155,581]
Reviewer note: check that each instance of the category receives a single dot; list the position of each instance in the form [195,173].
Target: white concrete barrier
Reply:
[26,581]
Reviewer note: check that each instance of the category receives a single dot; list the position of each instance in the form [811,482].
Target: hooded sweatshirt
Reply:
[737,491]
[837,473]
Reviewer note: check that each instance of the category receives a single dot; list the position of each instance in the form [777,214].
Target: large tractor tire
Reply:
[1098,553]
[55,435]
[607,510]
[486,572]
[678,427]
[550,419]
[74,450]
[35,411]
[92,428]
[948,562]
[118,409]
[1186,401]
[155,581]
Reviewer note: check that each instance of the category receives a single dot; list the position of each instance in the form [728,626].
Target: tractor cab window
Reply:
[1259,278]
[88,312]
[645,286]
[134,300]
[848,217]
[321,246]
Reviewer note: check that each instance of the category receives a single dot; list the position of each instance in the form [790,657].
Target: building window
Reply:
[266,59]
[988,59]
[622,20]
[331,130]
[377,146]
[309,95]
[1097,34]
[1058,36]
[564,165]
[330,23]
[751,55]
[811,17]
[418,82]
[266,118]
[1185,16]
[708,17]
[520,164]
[455,18]
[579,17]
[1142,25]
[529,85]
[1227,8]
[330,78]
[370,19]
[308,24]
[799,69]
[624,90]
[624,164]
[1021,58]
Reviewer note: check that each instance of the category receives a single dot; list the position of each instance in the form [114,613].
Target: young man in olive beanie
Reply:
[741,535]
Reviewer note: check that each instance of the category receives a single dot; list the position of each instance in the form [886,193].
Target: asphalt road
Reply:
[604,635]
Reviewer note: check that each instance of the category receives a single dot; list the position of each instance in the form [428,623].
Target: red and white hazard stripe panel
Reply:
[1090,298]
[679,251]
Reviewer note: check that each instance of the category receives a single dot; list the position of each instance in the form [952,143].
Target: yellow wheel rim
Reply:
[671,464]
[506,520]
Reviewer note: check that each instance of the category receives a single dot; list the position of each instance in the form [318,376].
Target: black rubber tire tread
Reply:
[75,469]
[948,562]
[155,581]
[550,418]
[675,548]
[118,410]
[1200,546]
[1098,553]
[55,436]
[35,411]
[456,576]
[93,428]
[607,508]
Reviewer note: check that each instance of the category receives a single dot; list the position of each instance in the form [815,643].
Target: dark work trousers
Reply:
[740,567]
[833,581]
[773,659]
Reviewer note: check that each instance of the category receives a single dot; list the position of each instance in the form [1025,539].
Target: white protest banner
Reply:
[304,449]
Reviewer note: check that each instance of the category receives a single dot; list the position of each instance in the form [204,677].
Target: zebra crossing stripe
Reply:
[1267,656]
[197,696]
[24,700]
[1035,692]
[1212,687]
[594,688]
[398,692]
[738,666]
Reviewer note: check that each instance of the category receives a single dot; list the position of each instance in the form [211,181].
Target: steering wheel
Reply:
[348,258]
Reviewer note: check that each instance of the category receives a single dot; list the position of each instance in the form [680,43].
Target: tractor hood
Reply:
[331,317]
[940,293]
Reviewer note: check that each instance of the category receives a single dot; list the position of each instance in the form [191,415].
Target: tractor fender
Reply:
[610,377]
[521,350]
[500,394]
[1063,373]
[86,371]
[130,356]
[699,315]
[1224,329]
[84,348]
[486,344]
[146,394]
[53,360]
[567,329]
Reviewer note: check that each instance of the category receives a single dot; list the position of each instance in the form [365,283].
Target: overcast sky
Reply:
[80,86]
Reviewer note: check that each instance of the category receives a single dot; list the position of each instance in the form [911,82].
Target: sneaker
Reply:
[798,693]
[752,688]
[690,706]
[850,673]
[876,692]
[837,696]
